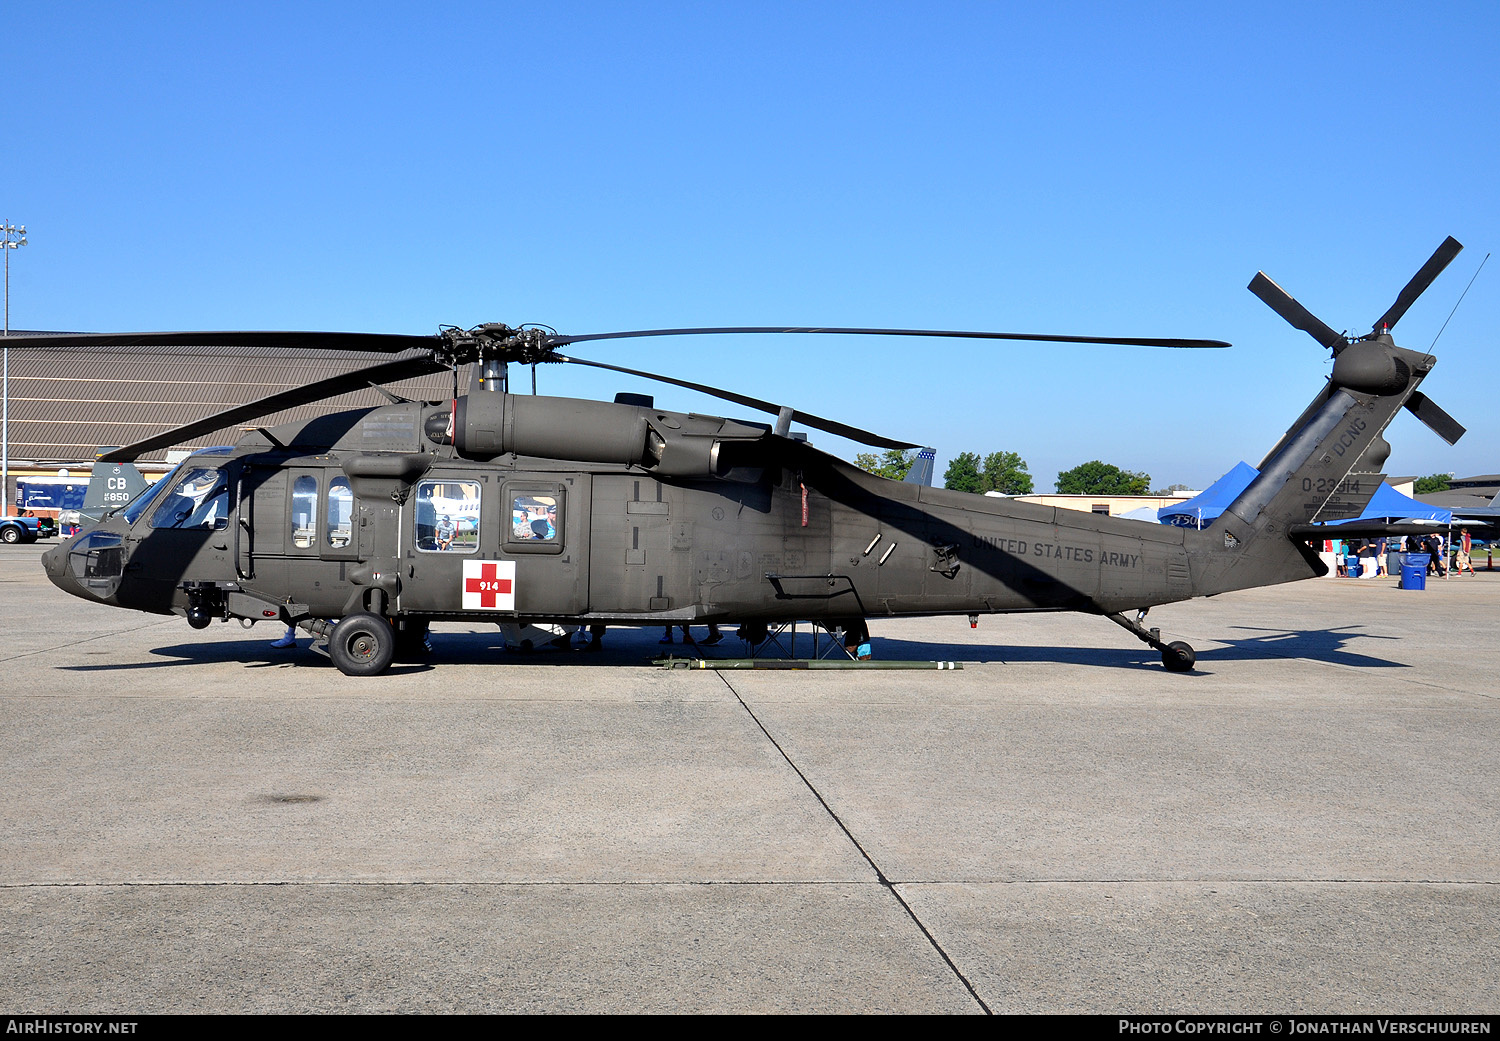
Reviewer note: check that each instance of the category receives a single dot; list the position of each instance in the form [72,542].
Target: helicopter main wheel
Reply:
[362,644]
[1178,657]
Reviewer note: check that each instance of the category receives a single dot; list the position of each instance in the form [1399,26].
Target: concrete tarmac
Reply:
[1308,822]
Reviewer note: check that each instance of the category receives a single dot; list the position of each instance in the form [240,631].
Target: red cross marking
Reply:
[487,585]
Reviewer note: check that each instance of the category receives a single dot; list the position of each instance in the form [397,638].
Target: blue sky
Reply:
[1110,169]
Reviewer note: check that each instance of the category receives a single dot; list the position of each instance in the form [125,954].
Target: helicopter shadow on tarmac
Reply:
[637,646]
[631,646]
[252,654]
[1322,645]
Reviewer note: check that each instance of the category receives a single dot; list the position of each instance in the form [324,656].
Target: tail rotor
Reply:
[1372,366]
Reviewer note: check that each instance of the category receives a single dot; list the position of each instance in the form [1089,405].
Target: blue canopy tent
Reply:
[1204,508]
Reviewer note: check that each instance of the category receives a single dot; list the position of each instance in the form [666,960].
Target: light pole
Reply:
[11,237]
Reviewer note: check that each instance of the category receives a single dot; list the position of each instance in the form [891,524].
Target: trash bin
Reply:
[1414,571]
[1351,567]
[1393,562]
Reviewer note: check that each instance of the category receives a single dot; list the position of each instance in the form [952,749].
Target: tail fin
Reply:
[1328,464]
[112,485]
[921,468]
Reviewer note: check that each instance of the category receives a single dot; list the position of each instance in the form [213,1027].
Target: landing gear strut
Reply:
[1176,656]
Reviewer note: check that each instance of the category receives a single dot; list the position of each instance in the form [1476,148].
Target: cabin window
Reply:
[533,518]
[447,518]
[536,523]
[200,500]
[340,512]
[305,511]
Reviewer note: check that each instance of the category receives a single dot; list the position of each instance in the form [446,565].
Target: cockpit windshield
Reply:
[136,508]
[199,499]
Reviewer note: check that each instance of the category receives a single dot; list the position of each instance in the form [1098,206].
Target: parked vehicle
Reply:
[26,529]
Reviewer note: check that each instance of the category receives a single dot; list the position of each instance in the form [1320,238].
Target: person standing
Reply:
[1462,561]
[1433,545]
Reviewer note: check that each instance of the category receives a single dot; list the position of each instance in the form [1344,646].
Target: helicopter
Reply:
[591,513]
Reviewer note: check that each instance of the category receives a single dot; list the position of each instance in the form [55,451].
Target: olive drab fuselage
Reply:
[519,508]
[790,533]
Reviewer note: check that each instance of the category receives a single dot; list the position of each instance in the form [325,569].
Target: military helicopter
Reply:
[594,513]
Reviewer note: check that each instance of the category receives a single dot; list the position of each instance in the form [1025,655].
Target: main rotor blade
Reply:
[805,418]
[386,372]
[375,343]
[1438,421]
[1280,301]
[1123,341]
[1441,258]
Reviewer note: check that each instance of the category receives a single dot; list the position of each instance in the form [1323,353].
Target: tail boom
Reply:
[1335,445]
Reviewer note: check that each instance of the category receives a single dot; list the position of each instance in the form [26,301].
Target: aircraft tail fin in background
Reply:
[112,485]
[921,468]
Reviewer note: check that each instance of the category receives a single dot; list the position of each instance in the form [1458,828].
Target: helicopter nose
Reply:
[55,563]
[87,566]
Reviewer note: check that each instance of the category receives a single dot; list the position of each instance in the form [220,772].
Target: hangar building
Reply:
[66,403]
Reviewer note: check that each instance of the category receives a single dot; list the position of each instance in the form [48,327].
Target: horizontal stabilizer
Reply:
[1349,497]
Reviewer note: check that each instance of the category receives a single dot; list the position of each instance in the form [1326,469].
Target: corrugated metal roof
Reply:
[66,403]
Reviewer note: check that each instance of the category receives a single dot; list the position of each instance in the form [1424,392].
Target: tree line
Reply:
[1008,474]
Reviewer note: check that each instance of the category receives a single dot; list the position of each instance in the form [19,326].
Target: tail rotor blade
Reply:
[1280,301]
[1438,421]
[1441,258]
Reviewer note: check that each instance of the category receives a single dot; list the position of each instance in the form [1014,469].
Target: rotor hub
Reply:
[493,341]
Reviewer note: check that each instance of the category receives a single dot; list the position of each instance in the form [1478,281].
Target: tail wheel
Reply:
[362,644]
[1178,657]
